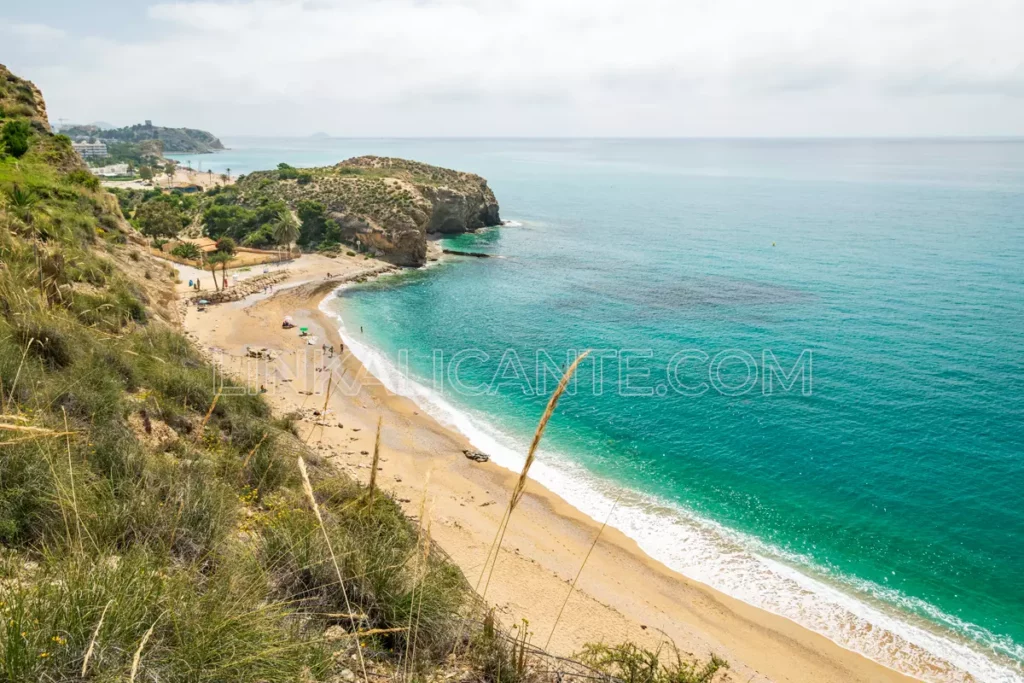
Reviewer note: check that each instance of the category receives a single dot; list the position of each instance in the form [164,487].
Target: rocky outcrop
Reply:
[19,97]
[383,206]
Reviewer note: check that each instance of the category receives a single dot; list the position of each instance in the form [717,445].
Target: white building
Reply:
[110,171]
[90,149]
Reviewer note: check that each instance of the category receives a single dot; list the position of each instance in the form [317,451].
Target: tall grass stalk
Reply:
[202,427]
[407,665]
[17,375]
[376,460]
[419,607]
[307,488]
[255,448]
[572,587]
[95,635]
[71,474]
[138,653]
[520,487]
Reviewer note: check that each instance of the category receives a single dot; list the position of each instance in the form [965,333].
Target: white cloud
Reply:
[32,32]
[576,67]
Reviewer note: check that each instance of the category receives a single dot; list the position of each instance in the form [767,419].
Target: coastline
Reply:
[623,593]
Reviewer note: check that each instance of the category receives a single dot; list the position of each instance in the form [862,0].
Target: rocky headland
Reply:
[382,205]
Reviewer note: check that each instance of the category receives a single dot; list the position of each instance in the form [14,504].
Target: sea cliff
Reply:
[382,205]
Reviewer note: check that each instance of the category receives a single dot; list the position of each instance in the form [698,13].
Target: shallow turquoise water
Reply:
[898,267]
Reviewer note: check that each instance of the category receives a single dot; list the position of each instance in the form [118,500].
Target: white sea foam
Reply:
[856,614]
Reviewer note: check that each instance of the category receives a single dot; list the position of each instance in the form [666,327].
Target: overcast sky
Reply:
[529,67]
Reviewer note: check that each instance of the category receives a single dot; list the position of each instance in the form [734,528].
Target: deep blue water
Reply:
[887,490]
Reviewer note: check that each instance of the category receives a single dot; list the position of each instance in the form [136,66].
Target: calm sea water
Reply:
[881,502]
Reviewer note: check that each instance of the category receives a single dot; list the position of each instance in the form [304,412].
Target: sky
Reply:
[453,68]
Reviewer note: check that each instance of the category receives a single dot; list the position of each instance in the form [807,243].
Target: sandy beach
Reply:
[622,594]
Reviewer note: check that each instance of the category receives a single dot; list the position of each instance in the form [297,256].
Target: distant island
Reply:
[158,138]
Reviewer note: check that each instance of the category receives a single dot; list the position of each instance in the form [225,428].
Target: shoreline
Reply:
[623,593]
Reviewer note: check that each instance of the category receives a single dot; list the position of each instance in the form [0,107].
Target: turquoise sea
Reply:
[879,497]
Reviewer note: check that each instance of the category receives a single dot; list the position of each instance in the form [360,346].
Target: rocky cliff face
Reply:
[384,205]
[21,98]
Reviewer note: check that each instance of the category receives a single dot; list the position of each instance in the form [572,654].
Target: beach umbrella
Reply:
[203,301]
[303,329]
[287,318]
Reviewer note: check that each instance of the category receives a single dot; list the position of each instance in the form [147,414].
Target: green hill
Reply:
[172,140]
[382,205]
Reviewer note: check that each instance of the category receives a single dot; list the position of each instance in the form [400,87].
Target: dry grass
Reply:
[95,635]
[138,653]
[202,427]
[376,462]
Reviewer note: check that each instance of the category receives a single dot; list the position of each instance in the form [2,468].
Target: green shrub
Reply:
[189,251]
[15,137]
[158,218]
[84,178]
[45,341]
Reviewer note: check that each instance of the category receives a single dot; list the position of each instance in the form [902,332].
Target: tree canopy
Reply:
[226,245]
[158,219]
[285,229]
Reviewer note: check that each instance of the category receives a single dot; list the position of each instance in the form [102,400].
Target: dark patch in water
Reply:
[689,293]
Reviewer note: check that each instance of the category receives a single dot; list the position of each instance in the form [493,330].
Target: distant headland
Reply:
[161,139]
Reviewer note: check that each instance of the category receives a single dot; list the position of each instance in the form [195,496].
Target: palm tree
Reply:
[189,251]
[23,201]
[286,230]
[226,246]
[217,258]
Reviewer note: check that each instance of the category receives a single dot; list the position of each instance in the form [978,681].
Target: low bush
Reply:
[14,137]
[84,178]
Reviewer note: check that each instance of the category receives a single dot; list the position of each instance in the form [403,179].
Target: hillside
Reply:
[153,522]
[382,205]
[171,140]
